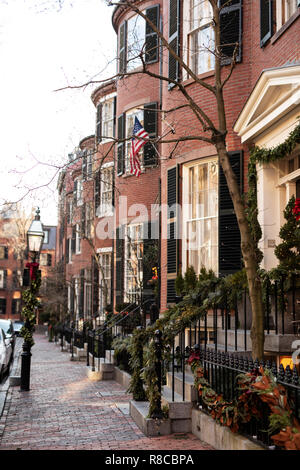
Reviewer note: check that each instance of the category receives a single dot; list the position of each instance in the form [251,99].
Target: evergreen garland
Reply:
[31,302]
[263,155]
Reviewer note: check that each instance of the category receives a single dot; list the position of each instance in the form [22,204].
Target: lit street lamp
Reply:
[35,237]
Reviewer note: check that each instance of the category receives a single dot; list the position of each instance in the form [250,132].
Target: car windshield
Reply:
[6,326]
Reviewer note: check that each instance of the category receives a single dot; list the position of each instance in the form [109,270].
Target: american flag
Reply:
[139,138]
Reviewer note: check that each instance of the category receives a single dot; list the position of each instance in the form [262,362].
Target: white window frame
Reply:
[77,240]
[133,243]
[198,219]
[79,195]
[87,299]
[104,122]
[89,164]
[284,10]
[192,27]
[135,41]
[76,296]
[106,191]
[2,286]
[105,259]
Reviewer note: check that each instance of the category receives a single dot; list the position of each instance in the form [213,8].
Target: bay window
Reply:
[136,37]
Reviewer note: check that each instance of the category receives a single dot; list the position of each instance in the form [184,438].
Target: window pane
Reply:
[135,41]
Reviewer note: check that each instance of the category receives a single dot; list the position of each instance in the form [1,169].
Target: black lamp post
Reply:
[35,237]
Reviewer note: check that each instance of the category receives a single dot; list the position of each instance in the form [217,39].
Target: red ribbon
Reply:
[33,267]
[296,209]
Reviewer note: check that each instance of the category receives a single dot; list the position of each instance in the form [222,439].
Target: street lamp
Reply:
[35,237]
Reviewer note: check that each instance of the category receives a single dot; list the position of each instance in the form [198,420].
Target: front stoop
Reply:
[79,354]
[180,412]
[219,437]
[150,427]
[104,372]
[190,392]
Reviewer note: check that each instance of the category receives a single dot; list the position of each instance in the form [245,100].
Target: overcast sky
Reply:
[43,48]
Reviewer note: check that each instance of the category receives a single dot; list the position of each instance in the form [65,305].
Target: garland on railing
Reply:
[254,386]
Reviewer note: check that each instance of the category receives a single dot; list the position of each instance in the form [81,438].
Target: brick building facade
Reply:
[262,104]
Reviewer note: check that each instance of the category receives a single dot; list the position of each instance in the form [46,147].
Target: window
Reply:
[76,296]
[3,252]
[106,188]
[104,280]
[77,240]
[105,120]
[17,279]
[16,306]
[88,219]
[77,192]
[46,237]
[133,262]
[147,115]
[200,217]
[201,37]
[3,278]
[87,164]
[69,211]
[45,259]
[136,36]
[2,306]
[135,41]
[284,10]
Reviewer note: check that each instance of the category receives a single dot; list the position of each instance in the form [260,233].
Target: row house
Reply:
[119,213]
[14,257]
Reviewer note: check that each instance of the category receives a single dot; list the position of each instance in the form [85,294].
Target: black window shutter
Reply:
[72,296]
[123,47]
[67,249]
[151,38]
[231,31]
[121,145]
[83,221]
[230,258]
[174,36]
[172,242]
[95,280]
[84,165]
[26,278]
[81,295]
[75,193]
[73,240]
[115,114]
[150,125]
[2,306]
[14,306]
[119,264]
[265,21]
[97,183]
[150,229]
[5,278]
[5,252]
[99,123]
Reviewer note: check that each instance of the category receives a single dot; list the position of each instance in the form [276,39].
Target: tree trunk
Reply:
[248,252]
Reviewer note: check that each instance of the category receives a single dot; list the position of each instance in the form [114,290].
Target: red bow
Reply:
[32,270]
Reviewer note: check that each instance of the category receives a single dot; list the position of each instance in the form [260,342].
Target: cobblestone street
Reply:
[64,410]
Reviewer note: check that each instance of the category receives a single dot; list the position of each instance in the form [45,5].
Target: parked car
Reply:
[18,325]
[8,328]
[6,353]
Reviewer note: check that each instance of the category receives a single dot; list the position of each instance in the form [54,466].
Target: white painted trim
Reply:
[104,250]
[291,99]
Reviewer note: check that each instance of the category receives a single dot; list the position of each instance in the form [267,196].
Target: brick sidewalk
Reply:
[64,410]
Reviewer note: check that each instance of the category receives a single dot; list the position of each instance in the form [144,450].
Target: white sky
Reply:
[43,48]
